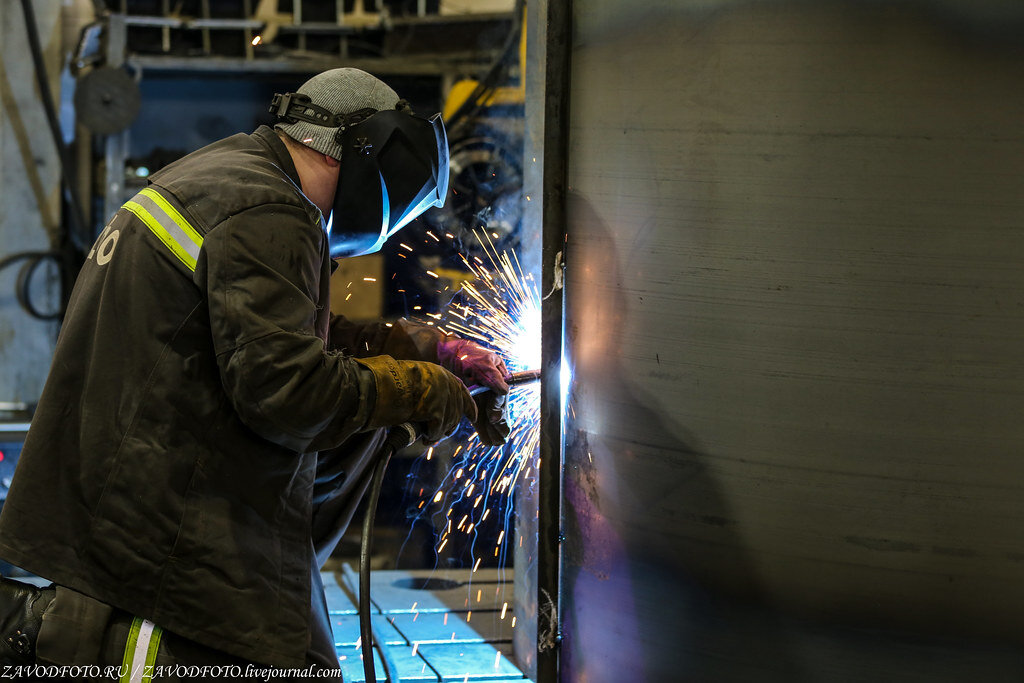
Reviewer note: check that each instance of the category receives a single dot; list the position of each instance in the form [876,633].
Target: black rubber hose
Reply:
[398,437]
[23,290]
[77,215]
[365,631]
[32,261]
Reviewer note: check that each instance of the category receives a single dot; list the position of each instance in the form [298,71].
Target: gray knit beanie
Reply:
[341,91]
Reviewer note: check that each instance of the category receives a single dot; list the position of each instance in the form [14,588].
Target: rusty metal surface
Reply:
[795,309]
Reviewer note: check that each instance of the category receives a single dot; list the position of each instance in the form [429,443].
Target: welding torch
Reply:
[398,437]
[512,379]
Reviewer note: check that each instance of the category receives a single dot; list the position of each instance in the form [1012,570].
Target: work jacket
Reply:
[170,466]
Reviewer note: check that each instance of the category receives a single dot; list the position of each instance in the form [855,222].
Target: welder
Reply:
[207,426]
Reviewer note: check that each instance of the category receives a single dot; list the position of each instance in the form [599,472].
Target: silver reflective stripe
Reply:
[168,225]
[140,651]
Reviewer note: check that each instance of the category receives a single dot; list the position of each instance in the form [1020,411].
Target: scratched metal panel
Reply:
[795,311]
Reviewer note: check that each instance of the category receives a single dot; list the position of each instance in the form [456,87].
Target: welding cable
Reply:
[398,438]
[32,259]
[77,232]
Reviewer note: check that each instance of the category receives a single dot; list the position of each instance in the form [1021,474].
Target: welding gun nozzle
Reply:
[523,377]
[514,379]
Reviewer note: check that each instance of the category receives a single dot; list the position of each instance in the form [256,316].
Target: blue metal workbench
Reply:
[443,625]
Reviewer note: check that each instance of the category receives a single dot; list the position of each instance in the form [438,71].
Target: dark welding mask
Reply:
[394,166]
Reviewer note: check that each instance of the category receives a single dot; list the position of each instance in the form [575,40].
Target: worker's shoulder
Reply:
[234,175]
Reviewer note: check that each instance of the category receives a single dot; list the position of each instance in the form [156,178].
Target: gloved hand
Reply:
[425,394]
[476,365]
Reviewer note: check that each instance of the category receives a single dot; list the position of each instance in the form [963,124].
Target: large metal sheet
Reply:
[795,308]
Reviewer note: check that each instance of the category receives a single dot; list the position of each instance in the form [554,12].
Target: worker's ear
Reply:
[331,161]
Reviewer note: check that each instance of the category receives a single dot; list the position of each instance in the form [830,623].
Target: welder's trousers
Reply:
[80,635]
[78,630]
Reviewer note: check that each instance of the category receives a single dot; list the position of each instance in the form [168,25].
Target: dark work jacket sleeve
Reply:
[266,269]
[401,339]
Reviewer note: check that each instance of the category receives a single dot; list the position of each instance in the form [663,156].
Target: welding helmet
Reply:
[393,163]
[394,166]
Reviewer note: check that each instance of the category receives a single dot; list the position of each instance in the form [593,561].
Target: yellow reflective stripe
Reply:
[167,223]
[129,651]
[185,226]
[140,651]
[157,229]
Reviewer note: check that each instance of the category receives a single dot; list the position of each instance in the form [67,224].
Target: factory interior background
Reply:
[766,253]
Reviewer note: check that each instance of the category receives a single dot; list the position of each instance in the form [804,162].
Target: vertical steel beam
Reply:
[339,17]
[207,46]
[525,634]
[297,18]
[166,30]
[557,16]
[116,145]
[250,52]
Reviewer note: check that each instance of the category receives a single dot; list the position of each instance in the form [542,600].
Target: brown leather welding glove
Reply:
[492,423]
[425,394]
[477,365]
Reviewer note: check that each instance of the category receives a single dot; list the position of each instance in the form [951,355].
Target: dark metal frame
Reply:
[558,16]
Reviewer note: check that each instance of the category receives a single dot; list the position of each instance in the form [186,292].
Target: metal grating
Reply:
[453,625]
